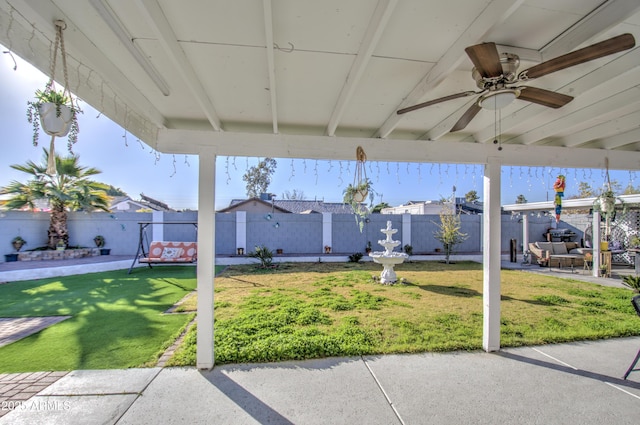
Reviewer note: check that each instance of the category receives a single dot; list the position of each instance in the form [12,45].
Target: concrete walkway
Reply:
[552,384]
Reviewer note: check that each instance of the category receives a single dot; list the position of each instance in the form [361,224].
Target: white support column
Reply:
[491,256]
[595,241]
[206,259]
[525,234]
[406,230]
[327,229]
[157,229]
[241,230]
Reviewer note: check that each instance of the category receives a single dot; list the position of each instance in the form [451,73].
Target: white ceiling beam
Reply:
[393,150]
[157,20]
[575,120]
[619,140]
[271,67]
[376,27]
[112,21]
[445,126]
[492,16]
[605,16]
[602,126]
[83,50]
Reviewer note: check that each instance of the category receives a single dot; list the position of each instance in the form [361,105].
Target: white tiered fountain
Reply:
[388,258]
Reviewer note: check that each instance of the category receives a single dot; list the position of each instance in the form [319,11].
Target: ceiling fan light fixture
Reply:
[498,99]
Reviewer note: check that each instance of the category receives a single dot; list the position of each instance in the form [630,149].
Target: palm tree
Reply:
[68,190]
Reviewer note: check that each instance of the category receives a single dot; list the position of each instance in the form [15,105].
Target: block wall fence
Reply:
[293,233]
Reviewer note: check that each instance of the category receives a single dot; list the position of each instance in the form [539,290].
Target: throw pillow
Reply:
[171,253]
[559,248]
[545,246]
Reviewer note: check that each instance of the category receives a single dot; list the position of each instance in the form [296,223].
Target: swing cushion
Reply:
[171,252]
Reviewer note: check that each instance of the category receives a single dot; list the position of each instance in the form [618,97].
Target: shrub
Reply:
[355,257]
[632,282]
[264,254]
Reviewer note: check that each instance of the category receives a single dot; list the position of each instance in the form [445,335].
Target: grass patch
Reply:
[302,311]
[117,319]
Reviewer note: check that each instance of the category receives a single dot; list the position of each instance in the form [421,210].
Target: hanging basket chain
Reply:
[361,171]
[50,87]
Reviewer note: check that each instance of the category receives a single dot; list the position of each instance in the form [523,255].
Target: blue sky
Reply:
[135,168]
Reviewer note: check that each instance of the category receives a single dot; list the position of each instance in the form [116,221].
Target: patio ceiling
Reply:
[314,79]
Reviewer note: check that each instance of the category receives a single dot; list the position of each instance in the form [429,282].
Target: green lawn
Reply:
[117,319]
[301,311]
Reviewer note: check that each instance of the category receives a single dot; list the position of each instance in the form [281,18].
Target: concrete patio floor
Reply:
[551,384]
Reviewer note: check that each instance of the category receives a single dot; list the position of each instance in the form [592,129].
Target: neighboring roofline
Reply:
[266,203]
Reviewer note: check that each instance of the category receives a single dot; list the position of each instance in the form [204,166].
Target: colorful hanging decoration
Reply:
[558,186]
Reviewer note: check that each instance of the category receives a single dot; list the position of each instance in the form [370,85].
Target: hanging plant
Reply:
[357,193]
[55,111]
[18,243]
[605,203]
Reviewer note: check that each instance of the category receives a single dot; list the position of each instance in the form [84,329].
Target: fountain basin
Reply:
[394,258]
[388,261]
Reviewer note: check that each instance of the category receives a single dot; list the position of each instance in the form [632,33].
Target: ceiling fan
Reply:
[496,75]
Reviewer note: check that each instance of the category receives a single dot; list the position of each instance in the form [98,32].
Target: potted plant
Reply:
[58,116]
[355,195]
[357,192]
[60,246]
[100,241]
[56,113]
[368,247]
[18,243]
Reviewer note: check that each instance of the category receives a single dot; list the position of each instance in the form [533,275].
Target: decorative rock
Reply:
[58,255]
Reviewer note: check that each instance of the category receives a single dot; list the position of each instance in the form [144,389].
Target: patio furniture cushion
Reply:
[545,246]
[558,248]
[171,252]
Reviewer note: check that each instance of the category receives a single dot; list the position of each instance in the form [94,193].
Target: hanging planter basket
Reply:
[356,194]
[360,195]
[607,204]
[55,111]
[55,119]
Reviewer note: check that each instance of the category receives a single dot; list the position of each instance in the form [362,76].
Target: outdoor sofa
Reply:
[562,254]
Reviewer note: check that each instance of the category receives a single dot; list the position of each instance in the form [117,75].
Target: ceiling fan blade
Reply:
[486,59]
[586,54]
[544,97]
[466,117]
[434,101]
